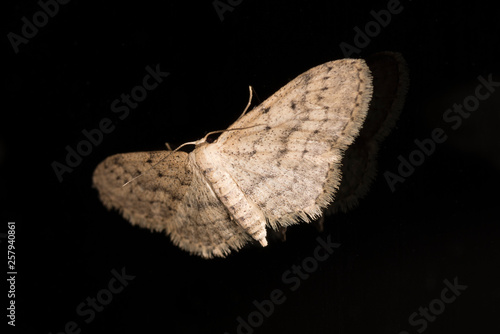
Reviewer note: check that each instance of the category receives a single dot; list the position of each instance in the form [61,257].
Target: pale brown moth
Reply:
[282,166]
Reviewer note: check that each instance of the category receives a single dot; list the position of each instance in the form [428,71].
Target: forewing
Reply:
[169,195]
[287,159]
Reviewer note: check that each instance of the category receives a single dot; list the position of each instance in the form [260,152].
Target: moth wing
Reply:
[287,160]
[169,196]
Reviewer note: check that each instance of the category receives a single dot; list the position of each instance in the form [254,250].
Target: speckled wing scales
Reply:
[290,165]
[169,196]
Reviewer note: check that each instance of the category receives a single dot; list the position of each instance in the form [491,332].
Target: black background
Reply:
[396,249]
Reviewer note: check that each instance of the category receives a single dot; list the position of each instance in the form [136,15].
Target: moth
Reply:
[277,165]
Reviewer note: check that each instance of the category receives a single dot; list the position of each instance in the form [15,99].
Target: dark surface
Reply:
[397,247]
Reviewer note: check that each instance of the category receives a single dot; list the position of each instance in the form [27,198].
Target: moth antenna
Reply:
[132,179]
[248,104]
[170,152]
[202,140]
